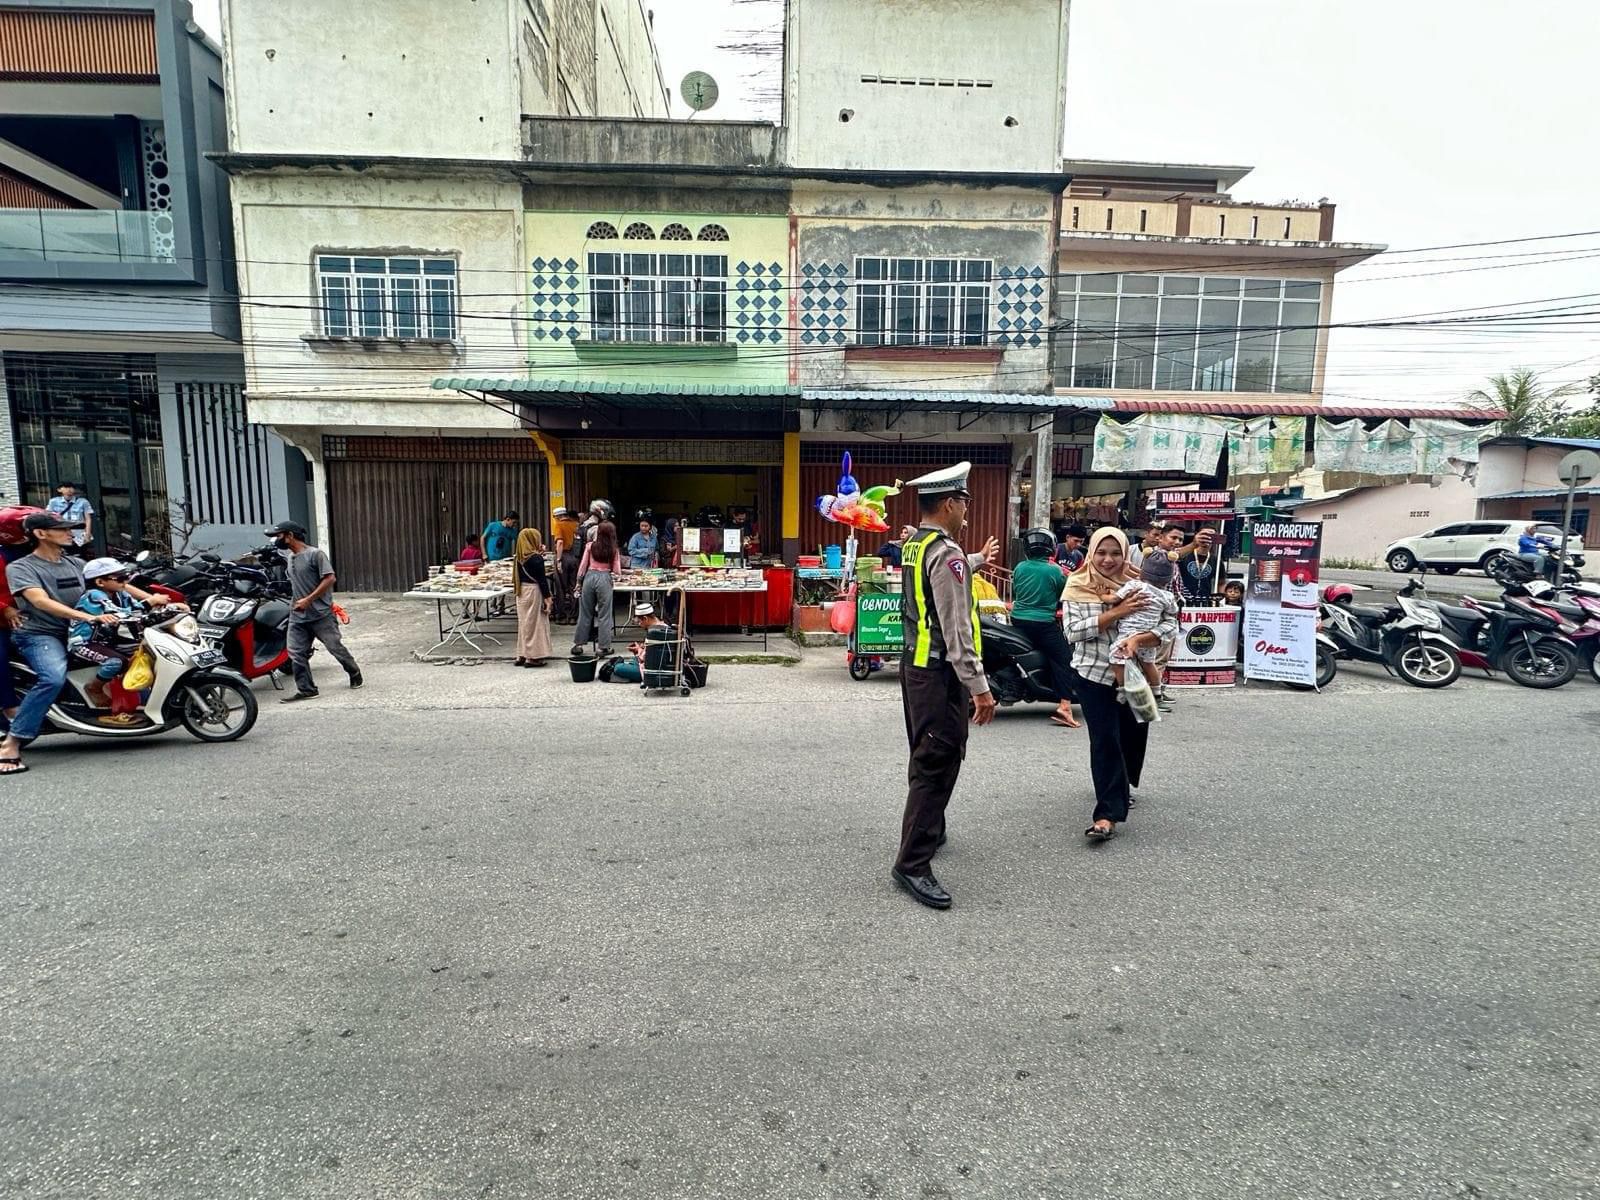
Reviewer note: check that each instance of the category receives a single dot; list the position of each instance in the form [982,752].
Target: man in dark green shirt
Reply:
[1036,587]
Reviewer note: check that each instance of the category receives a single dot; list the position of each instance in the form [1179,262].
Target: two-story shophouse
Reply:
[1199,323]
[720,310]
[120,365]
[381,245]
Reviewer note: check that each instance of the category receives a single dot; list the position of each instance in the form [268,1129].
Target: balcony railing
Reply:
[85,235]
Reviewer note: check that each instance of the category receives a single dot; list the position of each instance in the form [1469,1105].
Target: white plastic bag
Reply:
[1136,689]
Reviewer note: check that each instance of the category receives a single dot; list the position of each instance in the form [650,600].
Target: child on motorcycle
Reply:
[108,591]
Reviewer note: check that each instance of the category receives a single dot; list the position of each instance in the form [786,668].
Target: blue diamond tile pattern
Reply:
[1022,303]
[758,302]
[554,292]
[823,291]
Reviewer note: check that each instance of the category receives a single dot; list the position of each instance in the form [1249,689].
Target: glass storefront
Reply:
[93,420]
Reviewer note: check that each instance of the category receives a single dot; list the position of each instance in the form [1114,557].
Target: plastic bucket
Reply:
[834,555]
[582,668]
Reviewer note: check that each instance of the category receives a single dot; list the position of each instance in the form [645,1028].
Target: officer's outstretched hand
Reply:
[983,708]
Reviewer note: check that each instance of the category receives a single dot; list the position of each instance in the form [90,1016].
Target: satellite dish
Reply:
[699,90]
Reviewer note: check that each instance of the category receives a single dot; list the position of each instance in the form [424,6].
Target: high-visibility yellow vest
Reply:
[914,600]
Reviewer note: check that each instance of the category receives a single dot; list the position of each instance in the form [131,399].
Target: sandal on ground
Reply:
[1064,720]
[12,766]
[1096,834]
[521,662]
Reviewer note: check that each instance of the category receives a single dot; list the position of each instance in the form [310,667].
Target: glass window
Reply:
[1211,333]
[927,302]
[657,297]
[371,297]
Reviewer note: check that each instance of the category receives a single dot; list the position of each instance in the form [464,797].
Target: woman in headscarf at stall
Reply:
[534,600]
[1090,612]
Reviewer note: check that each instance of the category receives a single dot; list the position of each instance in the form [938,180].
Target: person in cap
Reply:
[45,585]
[311,580]
[941,671]
[107,590]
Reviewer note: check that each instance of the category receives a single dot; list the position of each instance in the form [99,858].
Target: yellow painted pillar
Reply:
[791,485]
[551,448]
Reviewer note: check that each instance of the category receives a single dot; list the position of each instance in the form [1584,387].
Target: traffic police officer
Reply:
[940,668]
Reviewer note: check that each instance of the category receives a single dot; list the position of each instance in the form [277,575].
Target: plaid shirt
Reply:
[1091,646]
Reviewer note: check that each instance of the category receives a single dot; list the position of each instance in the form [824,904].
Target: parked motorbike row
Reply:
[1538,634]
[202,661]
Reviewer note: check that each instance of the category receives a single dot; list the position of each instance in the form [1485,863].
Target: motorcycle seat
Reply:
[1368,614]
[1456,613]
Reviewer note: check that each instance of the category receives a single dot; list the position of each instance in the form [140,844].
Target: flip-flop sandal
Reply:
[16,766]
[1055,719]
[1096,834]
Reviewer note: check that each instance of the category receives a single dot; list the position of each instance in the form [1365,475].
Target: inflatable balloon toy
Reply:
[849,505]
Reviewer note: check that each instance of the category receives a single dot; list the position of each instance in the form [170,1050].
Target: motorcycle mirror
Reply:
[142,557]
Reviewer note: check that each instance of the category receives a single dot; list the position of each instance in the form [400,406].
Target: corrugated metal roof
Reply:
[1575,443]
[1296,408]
[589,387]
[1588,489]
[922,398]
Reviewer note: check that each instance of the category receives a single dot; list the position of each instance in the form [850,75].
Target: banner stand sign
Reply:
[1280,602]
[1180,504]
[1206,652]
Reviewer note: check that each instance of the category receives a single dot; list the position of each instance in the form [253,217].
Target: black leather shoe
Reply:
[292,697]
[356,680]
[924,889]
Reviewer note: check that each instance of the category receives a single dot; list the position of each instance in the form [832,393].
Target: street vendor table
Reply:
[469,612]
[754,594]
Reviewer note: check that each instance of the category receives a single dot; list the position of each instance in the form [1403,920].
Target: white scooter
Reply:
[193,687]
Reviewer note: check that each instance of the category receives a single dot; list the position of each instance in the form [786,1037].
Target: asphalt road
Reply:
[481,932]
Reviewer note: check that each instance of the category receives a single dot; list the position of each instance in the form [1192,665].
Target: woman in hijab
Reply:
[533,601]
[1090,613]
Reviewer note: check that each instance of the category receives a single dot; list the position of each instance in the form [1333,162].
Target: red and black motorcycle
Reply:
[247,618]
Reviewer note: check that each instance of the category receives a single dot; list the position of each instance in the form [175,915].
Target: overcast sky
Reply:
[1428,122]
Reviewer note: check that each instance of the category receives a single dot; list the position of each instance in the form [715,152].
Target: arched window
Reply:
[676,233]
[712,233]
[639,232]
[603,231]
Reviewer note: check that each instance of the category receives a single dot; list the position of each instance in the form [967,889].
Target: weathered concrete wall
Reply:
[972,85]
[431,78]
[628,80]
[285,219]
[570,65]
[1010,228]
[649,143]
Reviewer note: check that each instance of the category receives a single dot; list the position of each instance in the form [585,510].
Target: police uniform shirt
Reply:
[947,576]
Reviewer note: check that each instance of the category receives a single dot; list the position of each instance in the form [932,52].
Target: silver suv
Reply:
[1470,544]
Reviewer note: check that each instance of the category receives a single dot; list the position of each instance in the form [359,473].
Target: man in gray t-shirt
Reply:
[311,579]
[61,580]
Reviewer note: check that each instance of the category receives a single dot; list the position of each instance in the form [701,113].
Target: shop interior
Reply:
[701,495]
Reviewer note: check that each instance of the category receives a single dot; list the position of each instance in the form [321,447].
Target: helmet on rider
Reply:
[1038,543]
[1339,593]
[11,531]
[603,509]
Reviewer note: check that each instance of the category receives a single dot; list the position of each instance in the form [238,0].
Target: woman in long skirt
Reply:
[533,601]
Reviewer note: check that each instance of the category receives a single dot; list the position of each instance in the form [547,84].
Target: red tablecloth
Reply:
[770,610]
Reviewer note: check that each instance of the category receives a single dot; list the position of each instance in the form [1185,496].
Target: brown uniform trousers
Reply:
[936,724]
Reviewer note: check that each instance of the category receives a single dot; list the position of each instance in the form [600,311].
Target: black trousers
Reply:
[1117,744]
[1046,637]
[935,703]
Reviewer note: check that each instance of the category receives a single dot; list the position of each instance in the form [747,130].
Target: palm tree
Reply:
[1531,407]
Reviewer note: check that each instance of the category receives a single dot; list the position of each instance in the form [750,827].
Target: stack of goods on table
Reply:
[722,579]
[489,577]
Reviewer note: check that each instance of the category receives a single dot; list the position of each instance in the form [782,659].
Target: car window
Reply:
[1491,528]
[1550,531]
[1448,531]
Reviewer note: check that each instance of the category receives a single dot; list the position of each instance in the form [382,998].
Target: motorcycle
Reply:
[1528,645]
[186,578]
[1578,607]
[1015,669]
[248,620]
[192,687]
[1508,570]
[1404,638]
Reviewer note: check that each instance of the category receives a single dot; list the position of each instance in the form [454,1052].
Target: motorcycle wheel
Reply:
[1327,666]
[1426,664]
[1545,664]
[229,711]
[1594,666]
[860,667]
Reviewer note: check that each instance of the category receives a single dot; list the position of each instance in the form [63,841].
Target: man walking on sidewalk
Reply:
[311,578]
